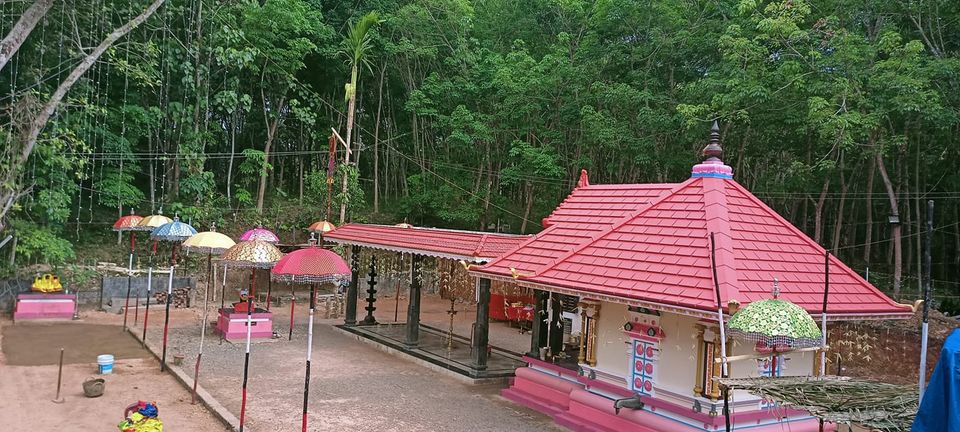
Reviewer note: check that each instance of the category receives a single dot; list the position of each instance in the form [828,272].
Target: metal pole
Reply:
[246,363]
[126,306]
[203,326]
[293,302]
[306,380]
[58,399]
[166,320]
[146,312]
[927,264]
[269,289]
[823,314]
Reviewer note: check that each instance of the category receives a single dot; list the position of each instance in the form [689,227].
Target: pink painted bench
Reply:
[233,325]
[44,306]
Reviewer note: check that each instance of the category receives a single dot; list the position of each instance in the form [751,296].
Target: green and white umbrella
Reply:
[776,323]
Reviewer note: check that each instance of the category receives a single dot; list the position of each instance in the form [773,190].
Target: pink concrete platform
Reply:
[233,324]
[553,391]
[44,306]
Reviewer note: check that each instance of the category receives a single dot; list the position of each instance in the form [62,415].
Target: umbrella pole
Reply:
[306,380]
[246,363]
[223,292]
[146,312]
[723,336]
[166,320]
[924,328]
[203,326]
[269,289]
[823,316]
[126,305]
[293,302]
[253,285]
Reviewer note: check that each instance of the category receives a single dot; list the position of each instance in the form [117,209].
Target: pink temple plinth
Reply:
[44,306]
[233,325]
[568,399]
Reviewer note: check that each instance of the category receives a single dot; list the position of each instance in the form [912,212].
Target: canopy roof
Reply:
[469,246]
[839,400]
[649,245]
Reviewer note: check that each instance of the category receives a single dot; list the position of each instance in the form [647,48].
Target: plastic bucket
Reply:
[105,364]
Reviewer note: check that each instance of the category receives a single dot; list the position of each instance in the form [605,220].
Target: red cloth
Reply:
[520,313]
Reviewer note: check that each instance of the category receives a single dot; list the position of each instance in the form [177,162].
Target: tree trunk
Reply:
[346,157]
[29,138]
[843,197]
[376,144]
[24,26]
[233,149]
[818,213]
[526,211]
[271,134]
[894,228]
[871,174]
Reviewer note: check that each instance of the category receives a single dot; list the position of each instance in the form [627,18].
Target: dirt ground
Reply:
[35,344]
[26,391]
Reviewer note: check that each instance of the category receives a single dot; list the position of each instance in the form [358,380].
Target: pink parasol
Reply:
[311,265]
[260,233]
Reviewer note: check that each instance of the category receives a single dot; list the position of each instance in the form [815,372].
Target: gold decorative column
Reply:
[582,355]
[716,368]
[697,385]
[592,331]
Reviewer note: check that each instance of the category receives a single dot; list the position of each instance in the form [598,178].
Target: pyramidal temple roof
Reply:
[650,244]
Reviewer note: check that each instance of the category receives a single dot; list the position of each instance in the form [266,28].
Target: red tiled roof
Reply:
[659,252]
[444,243]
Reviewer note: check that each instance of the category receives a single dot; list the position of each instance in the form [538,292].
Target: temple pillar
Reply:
[482,327]
[556,324]
[413,308]
[371,293]
[538,331]
[350,316]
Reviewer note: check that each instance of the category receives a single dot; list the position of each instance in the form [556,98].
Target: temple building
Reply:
[636,261]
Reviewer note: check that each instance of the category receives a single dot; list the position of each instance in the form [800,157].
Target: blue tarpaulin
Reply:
[940,406]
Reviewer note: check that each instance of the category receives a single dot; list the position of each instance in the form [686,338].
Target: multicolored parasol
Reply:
[174,231]
[311,265]
[776,323]
[209,242]
[321,227]
[129,222]
[148,223]
[251,254]
[260,233]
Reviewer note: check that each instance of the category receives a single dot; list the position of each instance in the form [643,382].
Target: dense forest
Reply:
[841,114]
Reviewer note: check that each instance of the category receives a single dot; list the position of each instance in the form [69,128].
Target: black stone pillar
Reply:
[371,293]
[350,316]
[413,309]
[556,324]
[482,328]
[538,333]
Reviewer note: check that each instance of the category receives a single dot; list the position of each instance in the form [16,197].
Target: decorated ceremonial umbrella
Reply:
[148,224]
[251,254]
[125,224]
[261,233]
[209,242]
[777,325]
[311,265]
[175,232]
[321,227]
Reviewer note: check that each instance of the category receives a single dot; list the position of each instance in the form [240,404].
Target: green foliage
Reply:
[37,243]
